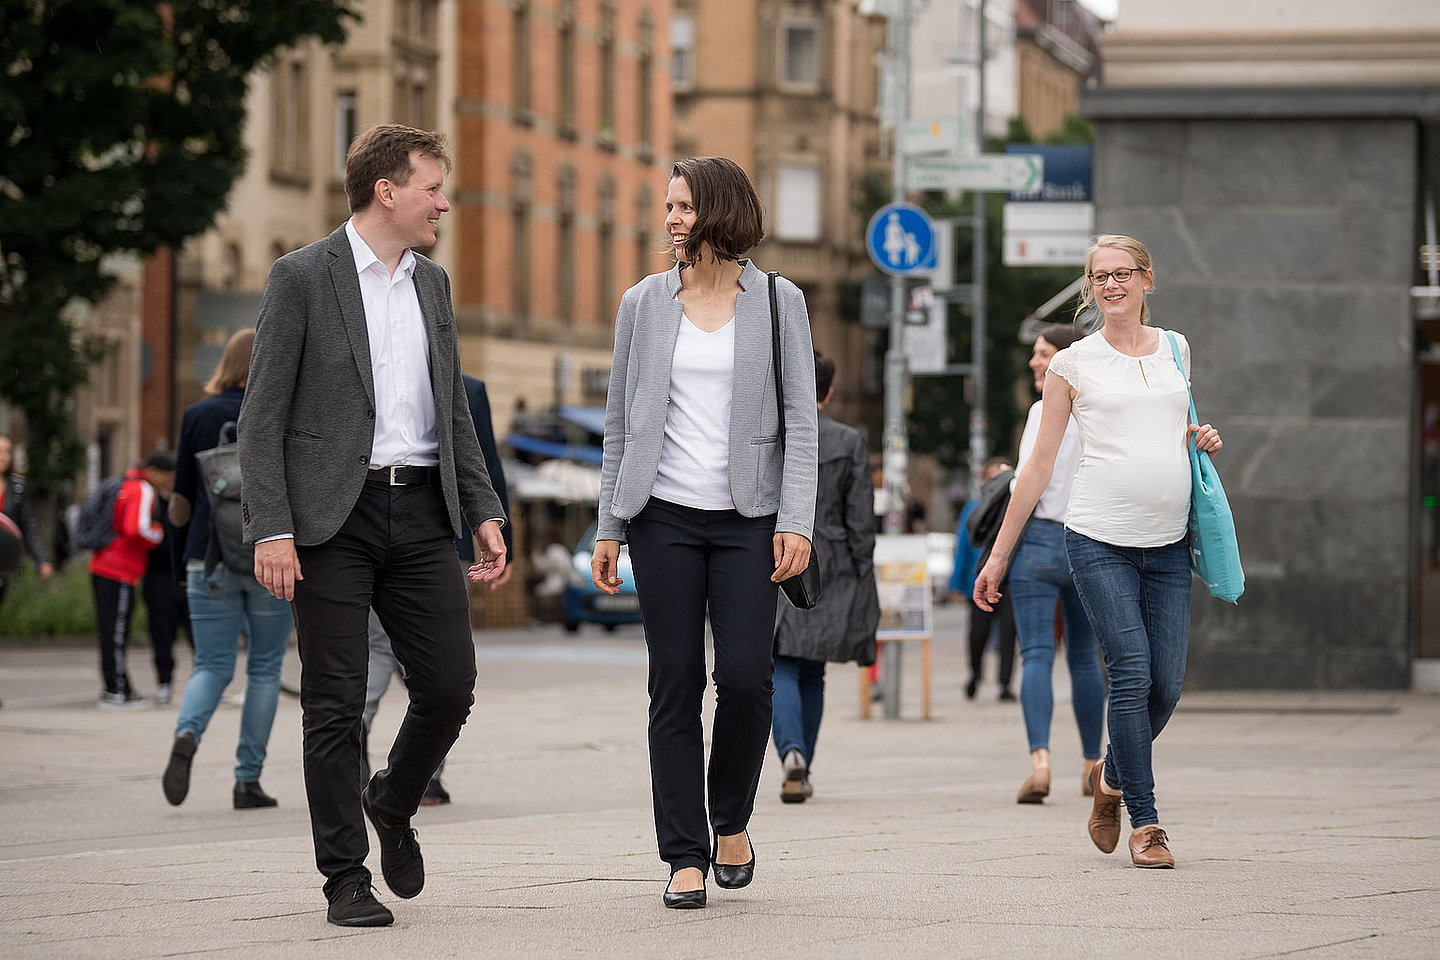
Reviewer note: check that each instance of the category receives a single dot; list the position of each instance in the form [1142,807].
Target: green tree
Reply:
[123,123]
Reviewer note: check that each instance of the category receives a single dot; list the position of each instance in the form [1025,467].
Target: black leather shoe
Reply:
[249,796]
[176,780]
[686,899]
[355,906]
[733,876]
[435,794]
[400,859]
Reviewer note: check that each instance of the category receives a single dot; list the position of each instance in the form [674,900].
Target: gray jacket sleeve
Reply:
[609,526]
[802,427]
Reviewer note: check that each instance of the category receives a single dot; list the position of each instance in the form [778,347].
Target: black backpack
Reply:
[220,474]
[984,521]
[95,526]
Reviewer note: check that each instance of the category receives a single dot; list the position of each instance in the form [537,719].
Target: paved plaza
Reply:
[1305,825]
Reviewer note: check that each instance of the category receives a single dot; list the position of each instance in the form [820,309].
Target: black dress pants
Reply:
[396,551]
[687,562]
[1002,617]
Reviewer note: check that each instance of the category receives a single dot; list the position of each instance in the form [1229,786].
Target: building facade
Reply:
[1282,170]
[788,89]
[562,120]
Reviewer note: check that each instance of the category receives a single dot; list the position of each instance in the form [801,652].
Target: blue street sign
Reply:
[901,240]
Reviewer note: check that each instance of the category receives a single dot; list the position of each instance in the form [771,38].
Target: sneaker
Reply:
[796,788]
[129,700]
[162,694]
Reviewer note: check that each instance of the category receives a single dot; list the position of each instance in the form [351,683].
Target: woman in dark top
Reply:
[16,505]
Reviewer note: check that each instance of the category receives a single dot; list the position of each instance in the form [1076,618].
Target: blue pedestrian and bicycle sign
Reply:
[901,240]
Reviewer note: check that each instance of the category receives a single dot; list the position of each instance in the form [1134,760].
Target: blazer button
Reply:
[370,414]
[363,459]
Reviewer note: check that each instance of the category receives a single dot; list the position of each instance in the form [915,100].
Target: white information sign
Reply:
[1045,249]
[933,135]
[1016,172]
[906,611]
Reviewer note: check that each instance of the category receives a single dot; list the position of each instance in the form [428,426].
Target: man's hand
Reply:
[792,556]
[604,566]
[277,567]
[490,564]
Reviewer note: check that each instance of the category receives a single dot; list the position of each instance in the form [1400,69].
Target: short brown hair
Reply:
[383,153]
[234,366]
[1061,335]
[728,213]
[824,375]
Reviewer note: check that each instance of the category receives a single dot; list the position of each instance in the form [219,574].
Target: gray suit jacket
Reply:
[761,483]
[308,421]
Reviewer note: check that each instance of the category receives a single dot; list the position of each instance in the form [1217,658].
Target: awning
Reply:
[580,453]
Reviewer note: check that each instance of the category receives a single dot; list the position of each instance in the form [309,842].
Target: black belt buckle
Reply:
[405,474]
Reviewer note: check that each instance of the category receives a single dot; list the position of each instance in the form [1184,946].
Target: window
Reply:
[290,120]
[645,93]
[565,245]
[644,210]
[521,169]
[607,75]
[605,234]
[347,112]
[566,63]
[800,54]
[520,58]
[796,203]
[682,50]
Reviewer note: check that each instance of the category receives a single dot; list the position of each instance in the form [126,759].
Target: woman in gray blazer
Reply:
[715,511]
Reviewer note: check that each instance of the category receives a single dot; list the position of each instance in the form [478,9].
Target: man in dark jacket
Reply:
[841,627]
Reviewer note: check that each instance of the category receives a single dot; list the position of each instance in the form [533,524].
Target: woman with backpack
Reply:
[223,601]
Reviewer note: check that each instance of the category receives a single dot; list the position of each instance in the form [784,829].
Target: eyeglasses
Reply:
[1121,276]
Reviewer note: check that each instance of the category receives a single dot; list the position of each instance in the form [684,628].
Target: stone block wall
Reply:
[1283,251]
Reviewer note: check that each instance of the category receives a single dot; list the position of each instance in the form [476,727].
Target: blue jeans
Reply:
[1138,599]
[797,704]
[1039,576]
[221,606]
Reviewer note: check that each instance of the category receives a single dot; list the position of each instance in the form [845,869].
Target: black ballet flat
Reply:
[733,876]
[685,899]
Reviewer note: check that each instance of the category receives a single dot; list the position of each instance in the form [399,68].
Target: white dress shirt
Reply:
[399,360]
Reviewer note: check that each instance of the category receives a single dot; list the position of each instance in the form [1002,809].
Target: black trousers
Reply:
[169,613]
[114,609]
[687,562]
[1003,617]
[395,552]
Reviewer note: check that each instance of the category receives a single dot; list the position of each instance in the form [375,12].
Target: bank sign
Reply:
[1066,173]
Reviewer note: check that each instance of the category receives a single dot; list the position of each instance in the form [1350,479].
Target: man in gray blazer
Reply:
[361,469]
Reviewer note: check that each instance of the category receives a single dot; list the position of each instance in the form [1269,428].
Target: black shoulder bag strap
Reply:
[775,354]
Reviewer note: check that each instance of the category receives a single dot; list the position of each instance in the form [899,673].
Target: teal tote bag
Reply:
[1214,550]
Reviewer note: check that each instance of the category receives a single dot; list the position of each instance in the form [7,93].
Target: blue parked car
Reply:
[583,602]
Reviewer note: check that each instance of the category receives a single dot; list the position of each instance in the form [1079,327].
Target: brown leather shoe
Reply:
[1036,786]
[1105,815]
[1149,848]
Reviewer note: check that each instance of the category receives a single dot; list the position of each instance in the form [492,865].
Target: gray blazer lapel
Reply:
[352,308]
[437,327]
[752,354]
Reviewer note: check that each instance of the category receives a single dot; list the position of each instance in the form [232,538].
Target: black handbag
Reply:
[803,589]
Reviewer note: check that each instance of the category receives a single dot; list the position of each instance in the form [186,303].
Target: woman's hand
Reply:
[605,565]
[1207,438]
[792,556]
[987,584]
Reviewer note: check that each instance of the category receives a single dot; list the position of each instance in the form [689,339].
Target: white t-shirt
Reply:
[1053,501]
[1133,485]
[694,466]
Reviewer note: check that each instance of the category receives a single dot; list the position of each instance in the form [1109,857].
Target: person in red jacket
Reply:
[117,568]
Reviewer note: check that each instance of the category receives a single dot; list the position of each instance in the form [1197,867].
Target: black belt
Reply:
[405,475]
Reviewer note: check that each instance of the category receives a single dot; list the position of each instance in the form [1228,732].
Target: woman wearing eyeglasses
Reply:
[1125,524]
